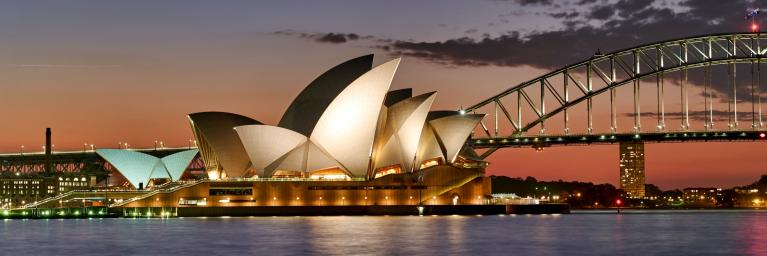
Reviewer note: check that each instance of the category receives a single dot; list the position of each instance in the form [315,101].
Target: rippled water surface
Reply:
[581,233]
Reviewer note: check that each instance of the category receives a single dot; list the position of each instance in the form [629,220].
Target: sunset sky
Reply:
[100,71]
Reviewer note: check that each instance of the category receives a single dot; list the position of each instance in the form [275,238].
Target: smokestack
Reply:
[48,164]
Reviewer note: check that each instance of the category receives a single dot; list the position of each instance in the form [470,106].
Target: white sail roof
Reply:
[177,163]
[138,168]
[404,123]
[307,108]
[346,118]
[428,147]
[348,126]
[265,144]
[295,160]
[135,166]
[452,132]
[216,129]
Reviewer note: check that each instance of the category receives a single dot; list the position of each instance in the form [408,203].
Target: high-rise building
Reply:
[632,168]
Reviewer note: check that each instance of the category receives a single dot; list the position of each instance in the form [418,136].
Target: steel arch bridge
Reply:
[557,94]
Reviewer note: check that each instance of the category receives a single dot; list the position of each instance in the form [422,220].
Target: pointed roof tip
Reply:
[428,94]
[475,117]
[437,114]
[394,62]
[429,97]
[393,65]
[306,108]
[397,60]
[418,98]
[210,112]
[367,58]
[403,90]
[220,114]
[400,95]
[396,96]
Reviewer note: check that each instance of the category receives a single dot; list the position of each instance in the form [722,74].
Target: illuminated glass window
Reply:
[383,171]
[329,174]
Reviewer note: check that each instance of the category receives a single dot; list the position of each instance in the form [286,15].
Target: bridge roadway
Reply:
[543,141]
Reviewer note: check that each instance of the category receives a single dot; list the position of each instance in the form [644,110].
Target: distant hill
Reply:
[532,187]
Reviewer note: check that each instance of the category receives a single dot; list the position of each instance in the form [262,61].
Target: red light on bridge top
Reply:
[762,135]
[618,202]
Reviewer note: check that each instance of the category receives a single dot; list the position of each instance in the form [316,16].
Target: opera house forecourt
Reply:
[345,145]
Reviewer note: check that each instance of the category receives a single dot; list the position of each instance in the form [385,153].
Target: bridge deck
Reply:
[589,139]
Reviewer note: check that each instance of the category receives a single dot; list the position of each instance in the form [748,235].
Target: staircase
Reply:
[51,199]
[165,189]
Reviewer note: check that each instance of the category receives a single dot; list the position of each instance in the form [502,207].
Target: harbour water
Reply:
[677,232]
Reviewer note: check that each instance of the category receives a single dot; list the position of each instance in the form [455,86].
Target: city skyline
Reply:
[128,79]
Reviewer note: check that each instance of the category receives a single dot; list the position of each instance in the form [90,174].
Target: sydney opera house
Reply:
[345,140]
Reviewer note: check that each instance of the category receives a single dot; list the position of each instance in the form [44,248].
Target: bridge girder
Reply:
[613,85]
[646,61]
[604,73]
[544,141]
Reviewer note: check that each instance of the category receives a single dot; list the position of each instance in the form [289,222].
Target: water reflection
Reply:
[669,233]
[754,232]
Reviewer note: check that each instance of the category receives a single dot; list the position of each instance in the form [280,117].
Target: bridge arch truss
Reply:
[601,74]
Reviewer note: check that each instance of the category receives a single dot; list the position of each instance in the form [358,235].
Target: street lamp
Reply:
[618,203]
